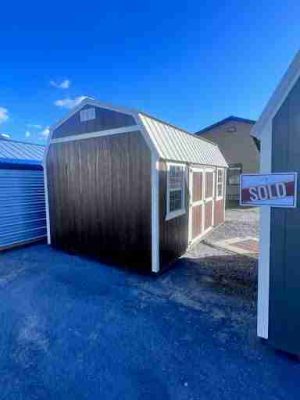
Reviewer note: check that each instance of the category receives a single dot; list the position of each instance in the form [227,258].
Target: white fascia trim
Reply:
[155,265]
[265,239]
[150,142]
[91,135]
[283,88]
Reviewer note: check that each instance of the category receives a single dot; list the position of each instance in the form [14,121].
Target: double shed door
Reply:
[202,193]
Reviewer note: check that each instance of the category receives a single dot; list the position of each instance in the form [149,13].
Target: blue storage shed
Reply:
[22,197]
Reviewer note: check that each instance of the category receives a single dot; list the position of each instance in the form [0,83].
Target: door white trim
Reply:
[209,199]
[196,203]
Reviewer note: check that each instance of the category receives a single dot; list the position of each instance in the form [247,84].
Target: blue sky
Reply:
[188,62]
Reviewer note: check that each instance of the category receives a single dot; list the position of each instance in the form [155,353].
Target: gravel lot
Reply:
[240,222]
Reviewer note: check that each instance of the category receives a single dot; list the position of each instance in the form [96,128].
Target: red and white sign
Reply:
[277,190]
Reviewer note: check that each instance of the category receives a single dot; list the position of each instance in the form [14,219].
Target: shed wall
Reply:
[100,198]
[173,234]
[284,323]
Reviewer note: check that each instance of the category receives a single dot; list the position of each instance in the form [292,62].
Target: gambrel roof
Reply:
[169,142]
[177,145]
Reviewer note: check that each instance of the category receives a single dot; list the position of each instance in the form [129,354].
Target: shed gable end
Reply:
[94,119]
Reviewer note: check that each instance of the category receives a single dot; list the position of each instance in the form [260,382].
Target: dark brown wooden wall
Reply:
[173,234]
[105,119]
[100,198]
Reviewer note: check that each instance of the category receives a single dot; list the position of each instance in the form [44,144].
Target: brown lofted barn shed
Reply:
[128,188]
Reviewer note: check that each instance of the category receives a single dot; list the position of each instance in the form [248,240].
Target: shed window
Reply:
[220,183]
[175,191]
[234,172]
[87,114]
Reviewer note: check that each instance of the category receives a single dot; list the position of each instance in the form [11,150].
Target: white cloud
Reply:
[45,132]
[65,84]
[35,126]
[68,102]
[5,135]
[27,134]
[3,115]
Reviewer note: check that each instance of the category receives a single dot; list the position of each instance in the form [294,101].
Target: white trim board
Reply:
[264,244]
[155,214]
[90,135]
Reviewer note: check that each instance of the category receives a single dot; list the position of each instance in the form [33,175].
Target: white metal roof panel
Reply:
[13,150]
[175,144]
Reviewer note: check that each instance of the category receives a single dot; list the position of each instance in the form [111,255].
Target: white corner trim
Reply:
[263,295]
[155,213]
[91,135]
[152,146]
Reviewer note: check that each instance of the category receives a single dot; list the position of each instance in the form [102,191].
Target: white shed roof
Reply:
[175,144]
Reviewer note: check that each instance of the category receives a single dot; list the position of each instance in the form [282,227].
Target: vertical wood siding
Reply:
[173,233]
[284,324]
[209,178]
[100,198]
[197,221]
[208,215]
[197,186]
[105,119]
[219,212]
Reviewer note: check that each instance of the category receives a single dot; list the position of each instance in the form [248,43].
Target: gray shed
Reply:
[278,129]
[22,198]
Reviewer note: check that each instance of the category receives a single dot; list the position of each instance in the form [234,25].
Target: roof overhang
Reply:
[286,84]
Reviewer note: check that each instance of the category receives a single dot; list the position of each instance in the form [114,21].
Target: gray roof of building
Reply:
[175,144]
[231,118]
[21,151]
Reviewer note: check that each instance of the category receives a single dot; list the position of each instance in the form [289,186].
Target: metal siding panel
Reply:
[22,207]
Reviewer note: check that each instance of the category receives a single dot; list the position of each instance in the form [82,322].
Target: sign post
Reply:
[275,190]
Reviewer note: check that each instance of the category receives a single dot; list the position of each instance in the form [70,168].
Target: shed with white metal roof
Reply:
[22,198]
[129,188]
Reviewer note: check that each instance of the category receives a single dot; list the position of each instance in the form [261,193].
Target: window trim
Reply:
[220,183]
[228,177]
[87,114]
[173,214]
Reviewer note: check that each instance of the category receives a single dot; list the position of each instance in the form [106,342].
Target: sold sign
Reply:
[277,190]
